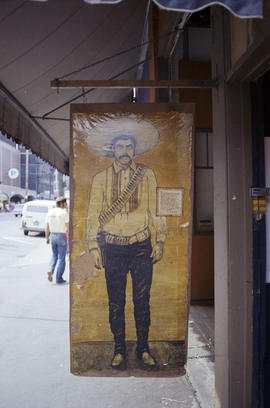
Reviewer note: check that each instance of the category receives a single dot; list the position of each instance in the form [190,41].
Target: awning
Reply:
[240,8]
[3,196]
[17,124]
[43,40]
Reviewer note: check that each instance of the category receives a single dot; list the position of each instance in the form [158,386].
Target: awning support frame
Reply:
[192,84]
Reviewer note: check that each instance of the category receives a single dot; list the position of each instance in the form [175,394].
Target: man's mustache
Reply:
[124,156]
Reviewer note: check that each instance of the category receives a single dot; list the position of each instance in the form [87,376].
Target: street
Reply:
[34,343]
[13,243]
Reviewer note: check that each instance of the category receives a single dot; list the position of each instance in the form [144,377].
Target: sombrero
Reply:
[99,138]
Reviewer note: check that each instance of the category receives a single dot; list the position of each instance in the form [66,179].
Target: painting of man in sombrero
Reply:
[122,208]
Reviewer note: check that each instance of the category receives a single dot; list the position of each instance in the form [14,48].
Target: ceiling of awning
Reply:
[40,41]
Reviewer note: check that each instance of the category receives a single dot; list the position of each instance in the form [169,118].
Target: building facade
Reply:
[25,176]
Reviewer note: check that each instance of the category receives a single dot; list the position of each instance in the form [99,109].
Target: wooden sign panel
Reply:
[131,204]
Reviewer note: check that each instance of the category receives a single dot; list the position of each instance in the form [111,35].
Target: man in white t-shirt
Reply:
[57,222]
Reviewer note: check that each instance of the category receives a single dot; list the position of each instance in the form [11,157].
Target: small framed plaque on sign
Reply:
[170,202]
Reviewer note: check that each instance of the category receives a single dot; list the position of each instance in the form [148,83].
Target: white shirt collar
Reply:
[117,167]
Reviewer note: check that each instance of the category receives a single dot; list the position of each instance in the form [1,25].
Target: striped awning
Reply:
[240,8]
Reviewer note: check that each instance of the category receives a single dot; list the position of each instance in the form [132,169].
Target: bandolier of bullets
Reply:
[110,213]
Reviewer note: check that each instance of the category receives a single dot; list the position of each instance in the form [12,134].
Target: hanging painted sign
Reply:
[131,202]
[242,9]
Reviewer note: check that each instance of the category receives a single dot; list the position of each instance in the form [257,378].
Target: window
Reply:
[37,208]
[203,191]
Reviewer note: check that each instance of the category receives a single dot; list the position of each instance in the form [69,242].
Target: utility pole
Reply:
[26,174]
[59,181]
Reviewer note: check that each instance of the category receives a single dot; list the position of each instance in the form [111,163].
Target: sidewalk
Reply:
[34,352]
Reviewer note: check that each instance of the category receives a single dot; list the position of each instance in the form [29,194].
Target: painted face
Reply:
[124,151]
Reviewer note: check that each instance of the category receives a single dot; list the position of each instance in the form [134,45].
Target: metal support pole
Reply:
[26,174]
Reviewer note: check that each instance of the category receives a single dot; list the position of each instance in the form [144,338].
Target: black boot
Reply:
[120,356]
[142,350]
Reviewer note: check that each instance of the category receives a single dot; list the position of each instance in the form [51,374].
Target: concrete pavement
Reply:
[34,351]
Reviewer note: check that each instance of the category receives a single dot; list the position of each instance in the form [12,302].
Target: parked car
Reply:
[18,208]
[34,215]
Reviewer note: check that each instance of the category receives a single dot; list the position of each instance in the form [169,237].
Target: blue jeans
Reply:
[59,249]
[118,261]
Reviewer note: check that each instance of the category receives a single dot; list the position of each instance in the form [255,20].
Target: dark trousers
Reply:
[118,261]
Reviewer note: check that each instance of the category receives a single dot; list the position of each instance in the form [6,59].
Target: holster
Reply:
[101,243]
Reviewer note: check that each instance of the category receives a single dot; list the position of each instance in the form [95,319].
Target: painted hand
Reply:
[157,252]
[97,257]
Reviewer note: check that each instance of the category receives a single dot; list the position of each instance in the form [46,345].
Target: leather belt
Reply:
[127,240]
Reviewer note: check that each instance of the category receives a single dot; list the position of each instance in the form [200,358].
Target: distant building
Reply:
[25,176]
[40,175]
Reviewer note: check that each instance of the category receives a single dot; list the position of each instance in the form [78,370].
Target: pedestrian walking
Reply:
[57,223]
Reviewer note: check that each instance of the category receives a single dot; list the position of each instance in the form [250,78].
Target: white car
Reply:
[18,208]
[34,215]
